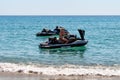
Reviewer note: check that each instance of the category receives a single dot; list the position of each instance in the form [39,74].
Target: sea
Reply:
[20,52]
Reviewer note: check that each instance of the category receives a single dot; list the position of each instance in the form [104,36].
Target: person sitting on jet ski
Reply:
[57,29]
[62,35]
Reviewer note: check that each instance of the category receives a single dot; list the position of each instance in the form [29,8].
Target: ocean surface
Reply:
[19,49]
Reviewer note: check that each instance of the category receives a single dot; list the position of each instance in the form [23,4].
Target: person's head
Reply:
[56,27]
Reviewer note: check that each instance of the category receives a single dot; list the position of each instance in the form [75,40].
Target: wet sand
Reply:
[22,76]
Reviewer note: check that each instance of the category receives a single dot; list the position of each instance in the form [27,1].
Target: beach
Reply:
[21,76]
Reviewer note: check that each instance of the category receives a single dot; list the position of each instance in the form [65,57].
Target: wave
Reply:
[66,70]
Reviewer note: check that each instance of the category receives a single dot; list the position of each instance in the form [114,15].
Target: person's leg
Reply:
[65,40]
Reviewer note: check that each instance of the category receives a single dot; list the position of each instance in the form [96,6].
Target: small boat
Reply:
[73,41]
[48,32]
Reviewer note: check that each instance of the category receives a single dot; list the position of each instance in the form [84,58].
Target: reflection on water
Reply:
[65,51]
[61,56]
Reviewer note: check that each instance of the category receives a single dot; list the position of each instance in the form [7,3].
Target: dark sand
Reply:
[21,76]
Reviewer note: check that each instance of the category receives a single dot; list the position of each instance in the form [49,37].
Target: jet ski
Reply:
[73,41]
[48,32]
[45,32]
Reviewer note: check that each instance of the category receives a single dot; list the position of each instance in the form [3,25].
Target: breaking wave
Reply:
[61,70]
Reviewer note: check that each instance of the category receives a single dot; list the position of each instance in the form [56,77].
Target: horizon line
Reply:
[58,15]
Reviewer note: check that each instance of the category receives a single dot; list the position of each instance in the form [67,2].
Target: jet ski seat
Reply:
[53,40]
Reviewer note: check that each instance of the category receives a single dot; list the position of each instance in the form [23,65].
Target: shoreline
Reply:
[64,70]
[23,76]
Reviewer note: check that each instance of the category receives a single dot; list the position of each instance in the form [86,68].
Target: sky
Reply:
[59,7]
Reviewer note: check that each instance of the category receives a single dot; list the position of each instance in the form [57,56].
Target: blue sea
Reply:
[19,45]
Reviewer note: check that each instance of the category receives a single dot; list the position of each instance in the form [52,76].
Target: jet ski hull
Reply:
[73,44]
[44,34]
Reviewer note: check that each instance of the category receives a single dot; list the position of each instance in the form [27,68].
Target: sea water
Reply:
[19,45]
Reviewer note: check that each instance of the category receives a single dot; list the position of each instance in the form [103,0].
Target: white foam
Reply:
[61,70]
